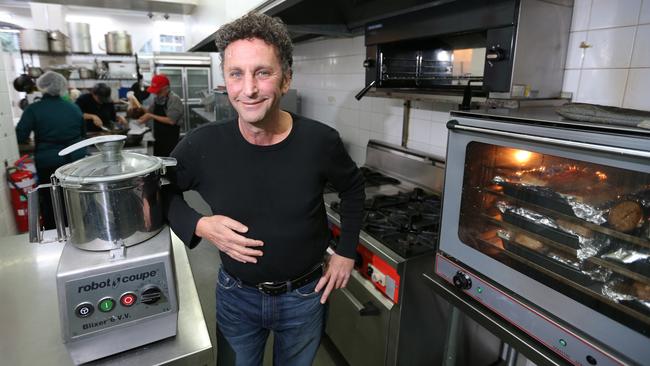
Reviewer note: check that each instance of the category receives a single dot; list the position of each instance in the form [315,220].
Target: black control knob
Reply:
[369,271]
[462,281]
[495,53]
[368,63]
[150,295]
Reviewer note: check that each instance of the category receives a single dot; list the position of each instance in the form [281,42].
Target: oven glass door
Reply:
[572,223]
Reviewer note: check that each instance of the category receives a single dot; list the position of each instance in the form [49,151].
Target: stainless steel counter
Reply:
[29,317]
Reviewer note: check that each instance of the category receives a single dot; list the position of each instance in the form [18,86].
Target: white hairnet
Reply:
[52,83]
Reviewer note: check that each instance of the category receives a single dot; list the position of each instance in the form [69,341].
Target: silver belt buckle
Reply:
[268,287]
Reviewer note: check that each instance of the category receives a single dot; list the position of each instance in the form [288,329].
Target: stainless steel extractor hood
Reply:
[308,19]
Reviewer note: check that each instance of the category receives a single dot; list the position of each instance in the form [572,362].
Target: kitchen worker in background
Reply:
[139,89]
[167,115]
[263,175]
[98,109]
[56,124]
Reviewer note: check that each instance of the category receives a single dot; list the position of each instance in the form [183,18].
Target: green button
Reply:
[479,290]
[562,343]
[106,305]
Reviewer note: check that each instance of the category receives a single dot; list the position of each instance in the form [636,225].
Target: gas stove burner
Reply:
[407,222]
[372,178]
[375,178]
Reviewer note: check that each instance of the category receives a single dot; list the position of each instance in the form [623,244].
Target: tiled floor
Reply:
[205,261]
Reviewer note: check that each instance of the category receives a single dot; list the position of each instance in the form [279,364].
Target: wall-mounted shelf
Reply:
[44,53]
[105,79]
[48,53]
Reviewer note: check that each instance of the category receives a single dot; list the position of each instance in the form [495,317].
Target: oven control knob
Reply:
[367,63]
[462,281]
[495,54]
[150,295]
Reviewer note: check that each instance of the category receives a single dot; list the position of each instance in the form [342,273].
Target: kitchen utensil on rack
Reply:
[86,73]
[118,43]
[80,40]
[58,42]
[34,40]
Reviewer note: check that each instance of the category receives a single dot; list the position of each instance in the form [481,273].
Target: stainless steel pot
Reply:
[34,40]
[80,40]
[59,42]
[112,199]
[34,72]
[86,73]
[118,42]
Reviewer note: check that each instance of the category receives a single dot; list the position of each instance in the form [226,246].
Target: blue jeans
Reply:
[245,316]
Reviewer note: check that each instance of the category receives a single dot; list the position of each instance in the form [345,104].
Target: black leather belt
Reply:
[281,287]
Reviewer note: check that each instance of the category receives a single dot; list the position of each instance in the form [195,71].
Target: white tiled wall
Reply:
[614,71]
[327,75]
[8,153]
[615,68]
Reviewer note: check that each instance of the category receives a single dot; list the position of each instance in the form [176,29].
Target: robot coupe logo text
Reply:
[116,281]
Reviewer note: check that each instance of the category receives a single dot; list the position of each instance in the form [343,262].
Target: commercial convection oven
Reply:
[546,222]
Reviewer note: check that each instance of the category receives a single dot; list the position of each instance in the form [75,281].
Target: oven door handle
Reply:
[454,125]
[367,309]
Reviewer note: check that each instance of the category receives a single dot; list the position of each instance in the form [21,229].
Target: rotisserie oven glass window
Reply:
[578,227]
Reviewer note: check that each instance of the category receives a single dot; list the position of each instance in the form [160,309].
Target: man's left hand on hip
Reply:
[336,275]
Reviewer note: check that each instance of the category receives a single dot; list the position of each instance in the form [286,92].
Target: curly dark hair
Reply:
[255,25]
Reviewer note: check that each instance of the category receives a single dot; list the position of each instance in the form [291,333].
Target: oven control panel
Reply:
[114,298]
[558,338]
[373,268]
[382,275]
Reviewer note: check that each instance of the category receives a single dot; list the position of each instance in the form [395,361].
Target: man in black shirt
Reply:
[98,108]
[139,89]
[263,176]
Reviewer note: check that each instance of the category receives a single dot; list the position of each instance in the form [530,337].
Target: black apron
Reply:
[166,136]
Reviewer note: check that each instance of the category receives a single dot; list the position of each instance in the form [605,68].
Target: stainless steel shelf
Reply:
[109,79]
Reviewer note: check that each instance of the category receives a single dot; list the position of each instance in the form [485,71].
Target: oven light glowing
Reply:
[443,56]
[522,156]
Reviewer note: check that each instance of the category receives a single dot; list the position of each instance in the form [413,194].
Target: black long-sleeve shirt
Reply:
[276,191]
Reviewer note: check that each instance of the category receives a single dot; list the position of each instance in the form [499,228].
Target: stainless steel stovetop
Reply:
[378,319]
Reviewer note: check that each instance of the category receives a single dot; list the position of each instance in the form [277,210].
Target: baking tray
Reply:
[556,235]
[637,306]
[641,267]
[542,260]
[540,196]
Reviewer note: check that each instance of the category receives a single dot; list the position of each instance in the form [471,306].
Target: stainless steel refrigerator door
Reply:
[198,79]
[175,75]
[187,82]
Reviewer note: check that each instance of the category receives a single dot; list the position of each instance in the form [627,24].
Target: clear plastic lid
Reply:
[95,169]
[112,164]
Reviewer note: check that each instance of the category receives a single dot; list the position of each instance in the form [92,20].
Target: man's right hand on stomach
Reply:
[223,232]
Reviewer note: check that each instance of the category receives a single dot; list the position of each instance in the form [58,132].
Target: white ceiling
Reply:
[159,6]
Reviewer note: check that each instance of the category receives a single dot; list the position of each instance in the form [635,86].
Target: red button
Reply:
[127,299]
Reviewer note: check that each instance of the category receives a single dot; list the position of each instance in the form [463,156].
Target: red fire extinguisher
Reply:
[21,180]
